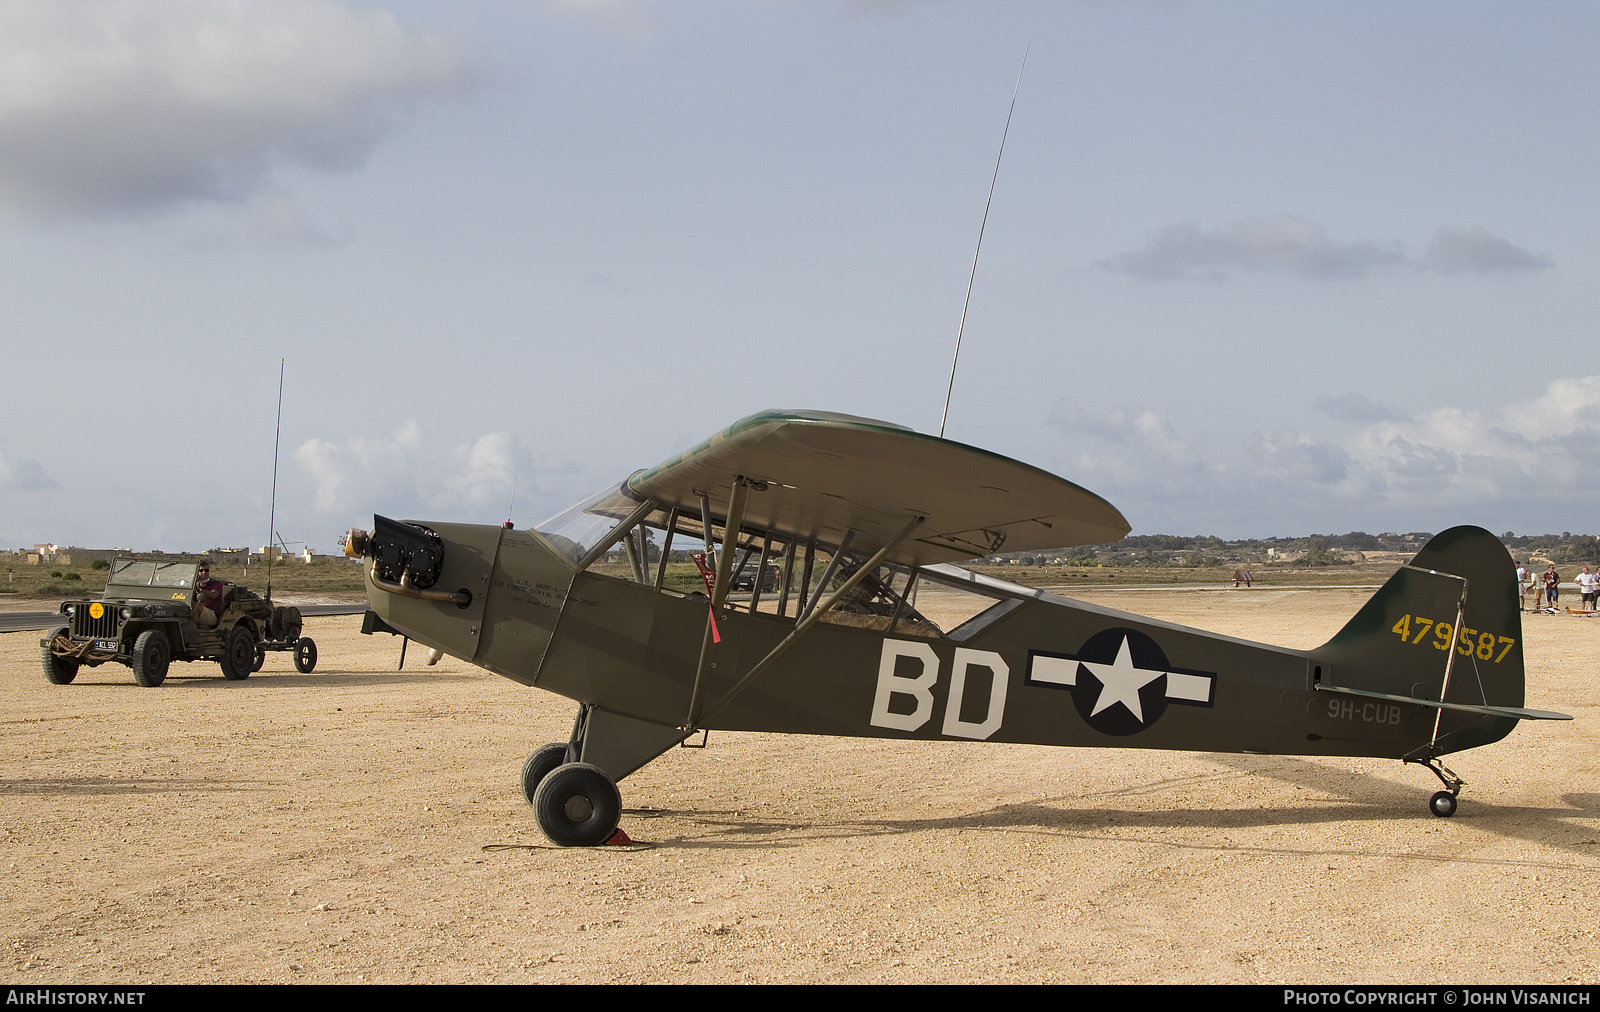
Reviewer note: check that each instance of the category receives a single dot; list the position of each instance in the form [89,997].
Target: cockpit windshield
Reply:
[575,530]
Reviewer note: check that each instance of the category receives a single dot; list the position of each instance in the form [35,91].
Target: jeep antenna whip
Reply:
[272,511]
[963,325]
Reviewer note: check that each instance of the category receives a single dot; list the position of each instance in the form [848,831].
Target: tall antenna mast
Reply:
[272,512]
[974,274]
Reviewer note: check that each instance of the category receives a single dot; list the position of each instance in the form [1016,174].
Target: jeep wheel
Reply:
[151,657]
[57,670]
[305,655]
[238,654]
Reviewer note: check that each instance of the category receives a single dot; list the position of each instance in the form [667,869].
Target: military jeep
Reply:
[145,619]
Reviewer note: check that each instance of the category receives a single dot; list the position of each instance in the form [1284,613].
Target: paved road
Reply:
[26,621]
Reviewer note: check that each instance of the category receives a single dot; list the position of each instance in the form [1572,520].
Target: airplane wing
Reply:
[826,473]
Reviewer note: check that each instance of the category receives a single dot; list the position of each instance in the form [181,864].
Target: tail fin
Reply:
[1445,632]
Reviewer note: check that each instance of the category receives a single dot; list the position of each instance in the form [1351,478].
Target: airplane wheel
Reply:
[238,654]
[151,657]
[578,805]
[305,655]
[58,670]
[539,765]
[1442,804]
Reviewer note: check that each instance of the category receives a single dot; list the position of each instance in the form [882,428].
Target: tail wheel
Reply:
[151,657]
[305,655]
[578,805]
[57,670]
[238,654]
[539,766]
[1442,804]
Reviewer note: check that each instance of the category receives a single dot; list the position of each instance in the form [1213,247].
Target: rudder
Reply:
[1453,609]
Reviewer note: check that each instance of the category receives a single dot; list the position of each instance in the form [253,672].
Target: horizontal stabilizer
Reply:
[1514,712]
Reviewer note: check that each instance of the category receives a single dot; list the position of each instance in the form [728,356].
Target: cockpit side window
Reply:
[770,573]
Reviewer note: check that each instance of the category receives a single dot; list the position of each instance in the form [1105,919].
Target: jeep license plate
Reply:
[105,644]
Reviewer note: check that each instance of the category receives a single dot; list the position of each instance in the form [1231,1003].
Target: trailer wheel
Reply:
[305,655]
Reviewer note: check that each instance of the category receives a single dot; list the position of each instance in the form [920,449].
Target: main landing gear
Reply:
[1443,803]
[578,805]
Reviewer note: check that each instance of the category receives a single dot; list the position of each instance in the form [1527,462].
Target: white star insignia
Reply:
[1120,682]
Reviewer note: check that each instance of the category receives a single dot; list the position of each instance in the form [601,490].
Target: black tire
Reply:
[305,655]
[539,765]
[58,670]
[577,805]
[152,655]
[1442,804]
[261,658]
[238,654]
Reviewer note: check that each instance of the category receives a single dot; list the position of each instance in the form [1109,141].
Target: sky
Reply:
[1250,269]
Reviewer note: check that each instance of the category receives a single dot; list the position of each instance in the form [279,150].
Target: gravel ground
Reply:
[363,824]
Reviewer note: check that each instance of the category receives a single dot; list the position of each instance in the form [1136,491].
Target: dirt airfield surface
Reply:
[361,824]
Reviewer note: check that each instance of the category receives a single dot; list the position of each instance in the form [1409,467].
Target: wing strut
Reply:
[827,574]
[719,590]
[806,623]
[666,548]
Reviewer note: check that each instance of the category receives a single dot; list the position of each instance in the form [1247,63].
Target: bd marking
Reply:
[920,688]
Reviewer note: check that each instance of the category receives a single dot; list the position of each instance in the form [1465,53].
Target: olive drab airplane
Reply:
[851,620]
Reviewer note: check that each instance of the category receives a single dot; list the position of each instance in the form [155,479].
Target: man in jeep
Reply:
[207,598]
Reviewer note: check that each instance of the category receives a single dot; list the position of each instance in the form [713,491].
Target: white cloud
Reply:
[629,19]
[1532,459]
[405,473]
[1455,250]
[25,476]
[359,470]
[1291,245]
[1284,243]
[115,106]
[1148,430]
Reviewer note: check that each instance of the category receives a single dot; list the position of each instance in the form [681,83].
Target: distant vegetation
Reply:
[1313,551]
[1162,558]
[326,575]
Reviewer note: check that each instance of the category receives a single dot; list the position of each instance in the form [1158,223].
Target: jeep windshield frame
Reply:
[150,574]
